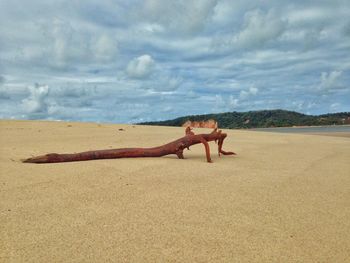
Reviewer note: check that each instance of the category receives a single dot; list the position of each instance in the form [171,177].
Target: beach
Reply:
[283,198]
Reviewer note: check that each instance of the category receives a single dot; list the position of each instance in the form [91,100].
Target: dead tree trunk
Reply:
[175,147]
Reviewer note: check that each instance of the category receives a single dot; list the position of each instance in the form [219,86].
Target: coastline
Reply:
[330,130]
[334,134]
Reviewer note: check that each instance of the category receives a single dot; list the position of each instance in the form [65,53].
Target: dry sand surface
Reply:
[284,198]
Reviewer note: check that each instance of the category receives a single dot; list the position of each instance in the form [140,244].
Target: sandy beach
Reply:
[283,198]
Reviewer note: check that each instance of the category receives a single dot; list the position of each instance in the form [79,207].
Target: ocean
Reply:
[312,129]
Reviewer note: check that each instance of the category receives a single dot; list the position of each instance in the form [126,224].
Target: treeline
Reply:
[261,119]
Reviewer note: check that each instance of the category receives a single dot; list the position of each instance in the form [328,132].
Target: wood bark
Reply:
[174,147]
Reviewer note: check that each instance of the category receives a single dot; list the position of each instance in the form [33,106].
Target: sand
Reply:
[284,198]
[334,134]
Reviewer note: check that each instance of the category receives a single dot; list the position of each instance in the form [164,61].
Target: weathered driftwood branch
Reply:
[175,147]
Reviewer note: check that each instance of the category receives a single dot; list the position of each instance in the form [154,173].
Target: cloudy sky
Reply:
[130,61]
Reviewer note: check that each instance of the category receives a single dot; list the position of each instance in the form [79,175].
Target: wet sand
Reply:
[334,134]
[283,198]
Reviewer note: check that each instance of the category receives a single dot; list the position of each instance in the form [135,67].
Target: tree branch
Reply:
[174,147]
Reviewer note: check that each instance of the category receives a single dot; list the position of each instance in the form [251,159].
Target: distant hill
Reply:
[261,119]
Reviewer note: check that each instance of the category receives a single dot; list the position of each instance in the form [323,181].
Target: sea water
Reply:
[312,129]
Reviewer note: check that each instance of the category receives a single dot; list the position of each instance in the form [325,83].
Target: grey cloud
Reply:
[330,81]
[3,93]
[164,83]
[2,80]
[346,29]
[73,90]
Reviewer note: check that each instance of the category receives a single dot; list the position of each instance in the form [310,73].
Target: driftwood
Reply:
[175,147]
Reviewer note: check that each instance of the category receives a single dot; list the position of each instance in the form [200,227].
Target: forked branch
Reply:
[175,147]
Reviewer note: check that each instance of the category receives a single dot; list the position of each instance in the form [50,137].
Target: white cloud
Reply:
[185,17]
[219,103]
[252,91]
[259,28]
[308,15]
[105,48]
[36,102]
[335,107]
[223,11]
[69,46]
[165,82]
[233,103]
[62,47]
[150,28]
[140,67]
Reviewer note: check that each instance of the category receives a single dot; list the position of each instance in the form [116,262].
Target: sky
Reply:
[134,61]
